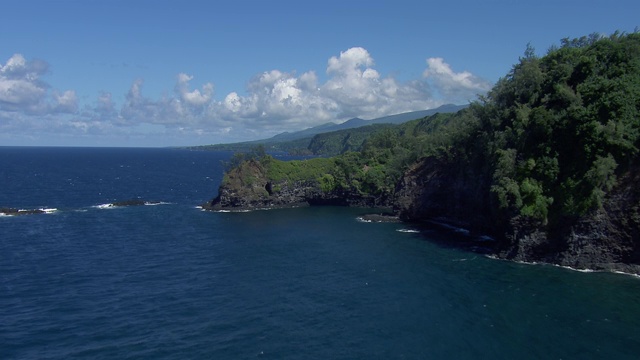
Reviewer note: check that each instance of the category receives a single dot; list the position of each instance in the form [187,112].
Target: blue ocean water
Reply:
[171,281]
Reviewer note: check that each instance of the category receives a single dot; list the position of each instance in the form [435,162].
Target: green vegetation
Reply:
[297,170]
[342,141]
[325,144]
[550,139]
[557,130]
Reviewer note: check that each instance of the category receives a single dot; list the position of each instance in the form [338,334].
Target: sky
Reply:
[158,73]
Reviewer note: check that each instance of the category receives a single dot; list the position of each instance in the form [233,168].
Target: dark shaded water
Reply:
[170,281]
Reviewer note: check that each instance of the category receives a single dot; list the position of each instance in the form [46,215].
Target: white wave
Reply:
[564,266]
[105,206]
[408,231]
[154,203]
[233,211]
[361,219]
[628,274]
[48,210]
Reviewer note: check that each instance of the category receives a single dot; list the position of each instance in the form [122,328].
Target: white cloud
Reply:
[359,90]
[232,102]
[22,90]
[274,101]
[105,107]
[138,109]
[195,97]
[66,102]
[456,86]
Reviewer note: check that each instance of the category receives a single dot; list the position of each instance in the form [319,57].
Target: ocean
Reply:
[166,280]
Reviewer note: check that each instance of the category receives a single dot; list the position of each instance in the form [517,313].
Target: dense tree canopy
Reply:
[561,126]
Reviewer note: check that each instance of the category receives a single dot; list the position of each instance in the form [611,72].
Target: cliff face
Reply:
[605,239]
[433,189]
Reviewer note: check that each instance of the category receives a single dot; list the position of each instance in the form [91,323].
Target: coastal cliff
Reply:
[606,238]
[547,163]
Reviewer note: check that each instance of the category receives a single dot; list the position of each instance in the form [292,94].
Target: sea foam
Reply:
[408,231]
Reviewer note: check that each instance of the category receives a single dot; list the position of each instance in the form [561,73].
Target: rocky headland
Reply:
[248,187]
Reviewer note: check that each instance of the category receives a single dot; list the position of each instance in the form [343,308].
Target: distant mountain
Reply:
[404,117]
[288,136]
[357,122]
[301,139]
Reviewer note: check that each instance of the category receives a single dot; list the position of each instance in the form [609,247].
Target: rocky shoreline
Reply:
[607,239]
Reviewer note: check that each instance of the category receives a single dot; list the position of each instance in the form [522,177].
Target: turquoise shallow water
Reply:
[170,281]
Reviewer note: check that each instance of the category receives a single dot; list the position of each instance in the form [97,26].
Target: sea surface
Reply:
[88,280]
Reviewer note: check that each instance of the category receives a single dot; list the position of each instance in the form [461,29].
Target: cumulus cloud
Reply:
[105,107]
[457,86]
[195,97]
[22,90]
[359,90]
[138,109]
[273,101]
[66,102]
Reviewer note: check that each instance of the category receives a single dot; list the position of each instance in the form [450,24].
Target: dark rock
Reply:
[134,202]
[434,189]
[15,212]
[381,218]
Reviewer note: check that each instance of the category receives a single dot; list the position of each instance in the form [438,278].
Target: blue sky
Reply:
[170,73]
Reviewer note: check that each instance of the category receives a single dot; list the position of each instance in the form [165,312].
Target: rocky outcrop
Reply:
[248,187]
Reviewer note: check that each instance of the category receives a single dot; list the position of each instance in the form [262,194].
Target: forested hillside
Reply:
[329,139]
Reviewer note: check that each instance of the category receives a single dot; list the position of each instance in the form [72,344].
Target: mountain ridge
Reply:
[309,133]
